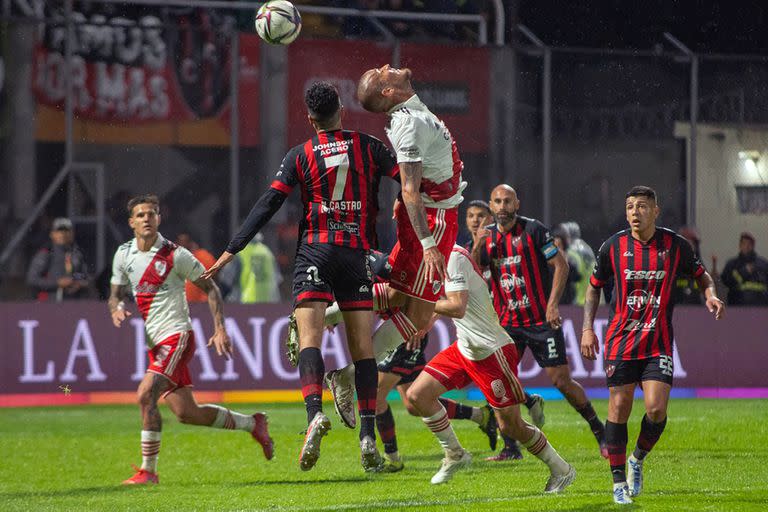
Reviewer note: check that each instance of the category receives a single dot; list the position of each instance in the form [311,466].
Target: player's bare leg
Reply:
[385,421]
[513,425]
[183,404]
[574,393]
[151,388]
[358,325]
[619,408]
[424,394]
[656,395]
[309,319]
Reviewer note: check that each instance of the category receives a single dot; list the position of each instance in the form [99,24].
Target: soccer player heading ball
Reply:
[644,261]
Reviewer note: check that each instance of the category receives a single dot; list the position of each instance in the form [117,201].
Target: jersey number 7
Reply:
[341,161]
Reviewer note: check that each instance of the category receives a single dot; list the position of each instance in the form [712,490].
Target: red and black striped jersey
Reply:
[644,275]
[339,173]
[520,276]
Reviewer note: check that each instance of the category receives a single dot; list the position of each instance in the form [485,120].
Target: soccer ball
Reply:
[278,22]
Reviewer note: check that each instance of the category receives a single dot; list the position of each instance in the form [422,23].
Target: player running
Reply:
[397,370]
[338,172]
[484,354]
[156,270]
[644,261]
[520,253]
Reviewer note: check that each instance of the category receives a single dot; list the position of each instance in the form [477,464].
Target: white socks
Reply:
[150,449]
[539,446]
[391,334]
[230,420]
[440,425]
[477,415]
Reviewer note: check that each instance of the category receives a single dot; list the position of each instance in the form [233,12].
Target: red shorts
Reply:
[406,257]
[496,375]
[169,358]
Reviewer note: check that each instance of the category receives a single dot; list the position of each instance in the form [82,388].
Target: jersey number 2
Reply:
[341,161]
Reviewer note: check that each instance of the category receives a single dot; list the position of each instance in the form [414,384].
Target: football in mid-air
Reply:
[278,22]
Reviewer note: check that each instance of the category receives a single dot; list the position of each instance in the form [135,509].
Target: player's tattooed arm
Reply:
[410,173]
[410,176]
[117,311]
[588,336]
[713,303]
[220,339]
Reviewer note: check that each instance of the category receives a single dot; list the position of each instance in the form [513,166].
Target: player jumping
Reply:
[338,172]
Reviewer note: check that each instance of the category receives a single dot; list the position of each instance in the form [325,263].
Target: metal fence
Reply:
[570,128]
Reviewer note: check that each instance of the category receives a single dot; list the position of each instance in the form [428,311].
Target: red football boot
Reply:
[260,433]
[142,477]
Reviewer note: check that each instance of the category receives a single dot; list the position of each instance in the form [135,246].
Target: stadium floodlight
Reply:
[750,158]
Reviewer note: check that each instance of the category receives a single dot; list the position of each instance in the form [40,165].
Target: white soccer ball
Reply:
[278,22]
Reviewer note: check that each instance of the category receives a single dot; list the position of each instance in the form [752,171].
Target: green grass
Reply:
[713,456]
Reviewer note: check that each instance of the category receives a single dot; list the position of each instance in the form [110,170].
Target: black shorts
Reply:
[619,373]
[328,273]
[547,345]
[405,363]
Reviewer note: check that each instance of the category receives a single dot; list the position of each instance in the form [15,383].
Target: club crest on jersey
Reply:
[161,267]
[663,255]
[436,285]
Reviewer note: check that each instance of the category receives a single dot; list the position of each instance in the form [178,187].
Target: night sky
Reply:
[704,26]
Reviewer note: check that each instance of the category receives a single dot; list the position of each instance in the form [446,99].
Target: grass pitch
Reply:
[713,456]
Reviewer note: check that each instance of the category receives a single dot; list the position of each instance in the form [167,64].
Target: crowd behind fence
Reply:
[612,121]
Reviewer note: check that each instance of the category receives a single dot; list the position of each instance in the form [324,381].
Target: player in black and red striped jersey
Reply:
[644,262]
[338,172]
[520,253]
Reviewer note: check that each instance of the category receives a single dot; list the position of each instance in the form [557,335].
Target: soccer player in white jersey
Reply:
[486,355]
[156,270]
[431,191]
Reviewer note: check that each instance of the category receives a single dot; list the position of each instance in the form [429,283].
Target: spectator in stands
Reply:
[561,242]
[746,275]
[184,239]
[686,290]
[582,256]
[253,276]
[58,270]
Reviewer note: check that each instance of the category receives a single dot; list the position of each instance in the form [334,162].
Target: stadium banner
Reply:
[150,66]
[461,100]
[52,350]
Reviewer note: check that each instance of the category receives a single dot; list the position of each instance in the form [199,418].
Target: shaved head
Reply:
[369,91]
[503,189]
[504,205]
[380,89]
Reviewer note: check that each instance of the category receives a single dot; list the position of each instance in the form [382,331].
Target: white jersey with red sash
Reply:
[157,278]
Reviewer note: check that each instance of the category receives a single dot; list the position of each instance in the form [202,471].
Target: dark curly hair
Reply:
[322,99]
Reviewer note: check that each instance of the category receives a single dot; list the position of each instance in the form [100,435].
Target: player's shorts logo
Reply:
[436,285]
[403,276]
[609,370]
[160,267]
[498,388]
[314,275]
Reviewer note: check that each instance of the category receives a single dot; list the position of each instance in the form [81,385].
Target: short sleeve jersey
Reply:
[417,135]
[338,172]
[520,276]
[644,275]
[157,278]
[479,333]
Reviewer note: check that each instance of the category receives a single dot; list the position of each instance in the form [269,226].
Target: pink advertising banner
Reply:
[46,346]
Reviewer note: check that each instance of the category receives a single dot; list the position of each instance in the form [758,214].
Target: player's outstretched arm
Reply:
[220,339]
[454,305]
[589,346]
[116,305]
[410,176]
[713,303]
